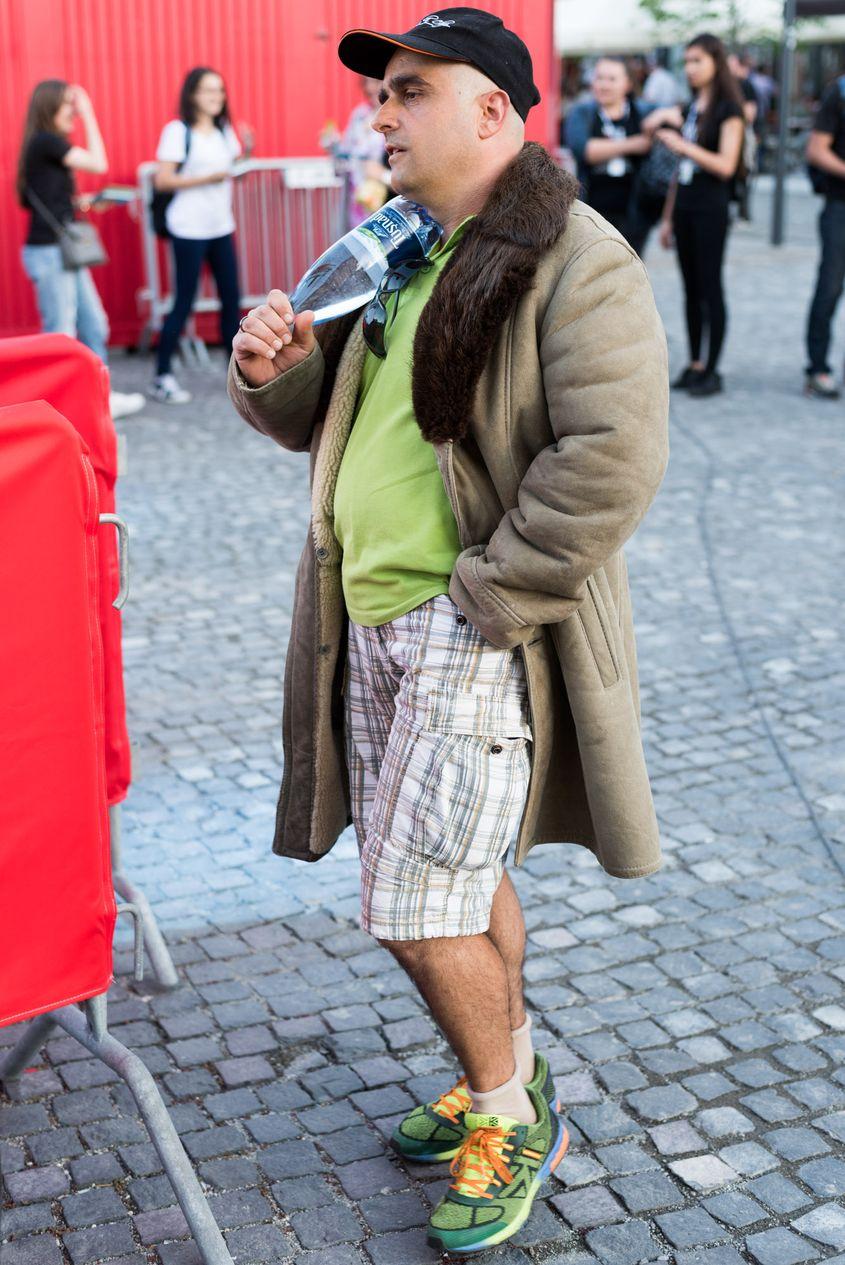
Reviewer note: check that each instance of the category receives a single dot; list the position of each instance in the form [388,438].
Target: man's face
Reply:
[429,115]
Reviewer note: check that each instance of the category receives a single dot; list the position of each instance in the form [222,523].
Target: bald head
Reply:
[450,131]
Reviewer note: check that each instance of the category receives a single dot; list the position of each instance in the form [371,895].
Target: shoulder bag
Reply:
[79,241]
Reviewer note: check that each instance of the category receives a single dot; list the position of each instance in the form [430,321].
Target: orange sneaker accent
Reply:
[453,1102]
[481,1151]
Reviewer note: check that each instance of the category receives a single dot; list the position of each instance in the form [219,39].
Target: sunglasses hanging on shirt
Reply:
[376,320]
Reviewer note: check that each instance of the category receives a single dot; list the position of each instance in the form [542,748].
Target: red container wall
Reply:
[281,67]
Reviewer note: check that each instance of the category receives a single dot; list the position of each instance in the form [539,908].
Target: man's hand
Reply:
[270,341]
[666,236]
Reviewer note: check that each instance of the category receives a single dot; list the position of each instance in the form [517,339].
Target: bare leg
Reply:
[464,981]
[507,931]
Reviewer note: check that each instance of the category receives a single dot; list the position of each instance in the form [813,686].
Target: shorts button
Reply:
[495,749]
[460,619]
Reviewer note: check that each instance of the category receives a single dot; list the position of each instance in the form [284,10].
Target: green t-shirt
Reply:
[391,512]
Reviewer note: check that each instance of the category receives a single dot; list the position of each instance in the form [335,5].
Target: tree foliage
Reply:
[732,19]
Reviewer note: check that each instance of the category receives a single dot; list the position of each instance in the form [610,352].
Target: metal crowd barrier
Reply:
[60,370]
[57,908]
[287,212]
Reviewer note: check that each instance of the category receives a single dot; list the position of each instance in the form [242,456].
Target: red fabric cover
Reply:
[57,906]
[66,374]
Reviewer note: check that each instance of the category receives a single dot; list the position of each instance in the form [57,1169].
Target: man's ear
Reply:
[494,112]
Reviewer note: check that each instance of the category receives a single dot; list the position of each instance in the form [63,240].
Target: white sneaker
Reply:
[123,405]
[167,390]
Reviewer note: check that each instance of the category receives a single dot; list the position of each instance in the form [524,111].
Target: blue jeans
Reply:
[828,285]
[68,302]
[189,255]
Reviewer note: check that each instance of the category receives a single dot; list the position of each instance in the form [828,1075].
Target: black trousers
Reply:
[189,255]
[700,235]
[829,282]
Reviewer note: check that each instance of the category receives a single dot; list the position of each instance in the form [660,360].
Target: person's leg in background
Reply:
[68,303]
[188,256]
[829,282]
[224,268]
[92,327]
[711,232]
[55,289]
[683,227]
[92,324]
[643,213]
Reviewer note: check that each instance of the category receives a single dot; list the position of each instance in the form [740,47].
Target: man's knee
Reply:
[403,950]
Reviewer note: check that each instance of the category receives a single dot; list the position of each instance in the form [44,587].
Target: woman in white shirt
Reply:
[195,157]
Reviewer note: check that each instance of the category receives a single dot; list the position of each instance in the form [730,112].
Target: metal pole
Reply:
[22,1054]
[90,1029]
[786,65]
[157,950]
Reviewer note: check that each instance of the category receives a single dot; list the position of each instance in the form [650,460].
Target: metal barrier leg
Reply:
[157,950]
[91,1031]
[21,1055]
[93,1034]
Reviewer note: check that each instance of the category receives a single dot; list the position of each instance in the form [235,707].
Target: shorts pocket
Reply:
[478,785]
[480,744]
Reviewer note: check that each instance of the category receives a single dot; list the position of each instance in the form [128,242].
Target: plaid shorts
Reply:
[437,742]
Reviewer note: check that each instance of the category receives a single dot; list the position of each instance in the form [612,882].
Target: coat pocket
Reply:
[600,629]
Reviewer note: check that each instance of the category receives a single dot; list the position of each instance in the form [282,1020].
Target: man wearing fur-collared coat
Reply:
[461,676]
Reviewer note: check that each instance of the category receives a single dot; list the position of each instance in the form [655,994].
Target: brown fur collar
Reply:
[490,271]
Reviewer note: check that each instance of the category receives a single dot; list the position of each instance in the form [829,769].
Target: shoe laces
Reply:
[480,1160]
[453,1102]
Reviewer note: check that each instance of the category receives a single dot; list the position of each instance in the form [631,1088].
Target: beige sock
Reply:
[523,1050]
[510,1099]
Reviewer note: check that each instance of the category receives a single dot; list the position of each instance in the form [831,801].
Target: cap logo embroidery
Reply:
[434,19]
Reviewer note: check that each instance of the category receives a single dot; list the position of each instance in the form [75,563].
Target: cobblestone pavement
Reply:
[694,1020]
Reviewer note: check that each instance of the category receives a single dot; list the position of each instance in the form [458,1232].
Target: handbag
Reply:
[656,171]
[79,241]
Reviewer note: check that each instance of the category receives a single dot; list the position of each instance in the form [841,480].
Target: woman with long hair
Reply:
[195,157]
[696,213]
[68,302]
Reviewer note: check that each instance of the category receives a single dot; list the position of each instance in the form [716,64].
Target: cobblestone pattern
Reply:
[694,1020]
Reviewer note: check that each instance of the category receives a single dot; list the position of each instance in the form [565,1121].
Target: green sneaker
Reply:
[498,1171]
[436,1131]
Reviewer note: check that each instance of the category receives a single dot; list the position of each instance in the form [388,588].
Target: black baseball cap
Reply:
[462,34]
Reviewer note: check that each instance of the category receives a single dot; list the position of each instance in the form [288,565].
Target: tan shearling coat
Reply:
[540,376]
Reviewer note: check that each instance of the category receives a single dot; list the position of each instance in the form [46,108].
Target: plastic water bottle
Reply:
[347,275]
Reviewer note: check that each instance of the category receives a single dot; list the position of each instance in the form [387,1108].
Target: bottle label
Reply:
[397,237]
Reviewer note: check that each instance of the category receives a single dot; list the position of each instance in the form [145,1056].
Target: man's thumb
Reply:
[303,327]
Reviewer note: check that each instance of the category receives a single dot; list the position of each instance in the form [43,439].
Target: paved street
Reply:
[694,1020]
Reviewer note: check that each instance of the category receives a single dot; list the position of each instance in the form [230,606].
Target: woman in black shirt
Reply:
[709,147]
[68,302]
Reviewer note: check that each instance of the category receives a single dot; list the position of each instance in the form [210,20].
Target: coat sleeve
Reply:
[605,373]
[285,408]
